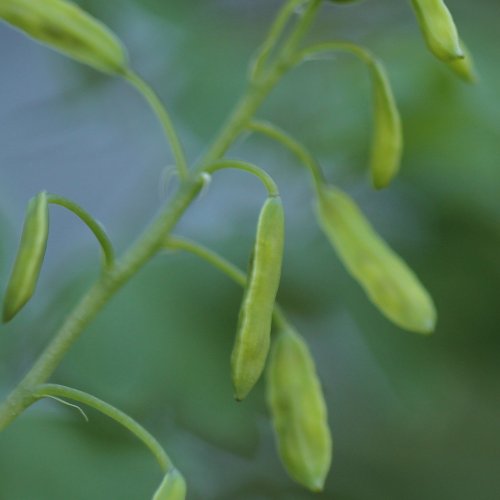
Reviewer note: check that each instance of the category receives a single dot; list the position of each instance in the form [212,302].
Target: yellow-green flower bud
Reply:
[173,487]
[298,411]
[254,326]
[386,278]
[65,27]
[29,258]
[387,143]
[438,28]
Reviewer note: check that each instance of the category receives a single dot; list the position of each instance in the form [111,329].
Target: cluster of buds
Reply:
[294,395]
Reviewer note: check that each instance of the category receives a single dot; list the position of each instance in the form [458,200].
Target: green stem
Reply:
[299,150]
[301,29]
[92,224]
[277,28]
[223,265]
[54,390]
[165,120]
[264,177]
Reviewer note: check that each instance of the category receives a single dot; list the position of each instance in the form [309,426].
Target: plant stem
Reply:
[92,224]
[153,238]
[222,264]
[294,146]
[300,30]
[54,390]
[210,256]
[264,177]
[165,120]
[272,38]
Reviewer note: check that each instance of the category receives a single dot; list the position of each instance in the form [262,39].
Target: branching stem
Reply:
[154,237]
[259,64]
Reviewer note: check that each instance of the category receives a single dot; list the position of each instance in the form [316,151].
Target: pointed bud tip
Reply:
[473,79]
[239,396]
[430,327]
[379,183]
[240,392]
[6,318]
[316,485]
[427,327]
[9,312]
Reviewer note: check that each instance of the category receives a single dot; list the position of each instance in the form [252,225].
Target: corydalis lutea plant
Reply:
[294,393]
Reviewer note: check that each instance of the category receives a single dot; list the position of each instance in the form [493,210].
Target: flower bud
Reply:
[254,326]
[298,411]
[29,259]
[65,27]
[438,28]
[388,281]
[387,143]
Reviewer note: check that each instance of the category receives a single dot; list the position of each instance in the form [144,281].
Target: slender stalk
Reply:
[272,38]
[165,120]
[301,30]
[60,391]
[223,265]
[299,150]
[210,256]
[263,176]
[92,224]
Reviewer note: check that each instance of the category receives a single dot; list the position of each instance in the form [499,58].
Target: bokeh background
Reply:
[413,418]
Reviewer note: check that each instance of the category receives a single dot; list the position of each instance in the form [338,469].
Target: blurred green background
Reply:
[413,418]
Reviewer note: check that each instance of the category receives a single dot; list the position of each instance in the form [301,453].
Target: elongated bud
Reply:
[29,257]
[438,28]
[65,27]
[298,411]
[387,280]
[254,326]
[387,143]
[173,487]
